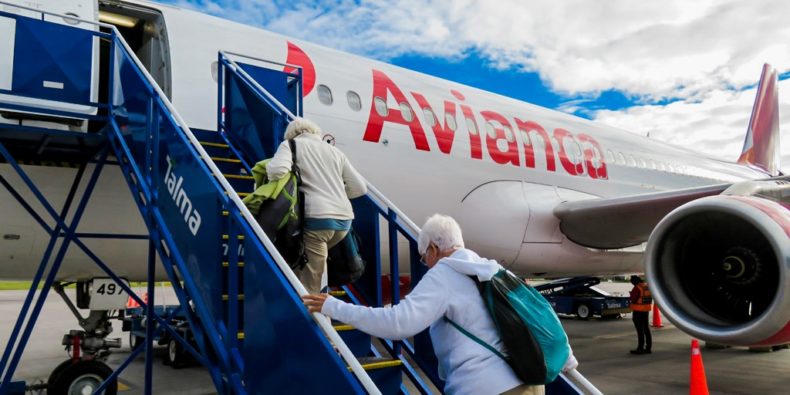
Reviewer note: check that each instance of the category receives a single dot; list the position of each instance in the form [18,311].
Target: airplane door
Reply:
[47,74]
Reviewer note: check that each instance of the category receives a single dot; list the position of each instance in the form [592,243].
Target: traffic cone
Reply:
[698,382]
[131,303]
[656,317]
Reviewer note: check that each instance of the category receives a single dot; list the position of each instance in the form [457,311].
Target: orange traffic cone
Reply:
[698,382]
[656,317]
[131,303]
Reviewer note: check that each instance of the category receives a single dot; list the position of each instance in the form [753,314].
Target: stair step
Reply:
[226,297]
[227,264]
[228,160]
[238,177]
[343,327]
[207,135]
[373,363]
[226,237]
[215,145]
[385,372]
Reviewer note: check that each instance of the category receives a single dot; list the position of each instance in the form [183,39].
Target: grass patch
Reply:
[16,285]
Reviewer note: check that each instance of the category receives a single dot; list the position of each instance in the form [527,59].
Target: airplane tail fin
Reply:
[761,147]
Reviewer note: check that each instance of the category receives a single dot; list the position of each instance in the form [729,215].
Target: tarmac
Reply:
[601,346]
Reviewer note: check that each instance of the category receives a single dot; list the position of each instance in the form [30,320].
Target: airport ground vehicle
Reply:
[579,296]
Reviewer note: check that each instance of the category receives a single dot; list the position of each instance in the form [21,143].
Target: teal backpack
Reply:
[536,344]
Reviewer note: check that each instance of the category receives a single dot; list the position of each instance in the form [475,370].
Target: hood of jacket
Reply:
[469,263]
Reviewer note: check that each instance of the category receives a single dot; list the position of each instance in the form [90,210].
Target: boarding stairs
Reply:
[250,328]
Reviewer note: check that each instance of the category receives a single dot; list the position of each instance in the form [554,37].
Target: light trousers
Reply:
[317,244]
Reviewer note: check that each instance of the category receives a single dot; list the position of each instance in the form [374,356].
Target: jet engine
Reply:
[719,267]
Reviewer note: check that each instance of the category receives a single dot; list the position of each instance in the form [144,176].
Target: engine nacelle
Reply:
[719,267]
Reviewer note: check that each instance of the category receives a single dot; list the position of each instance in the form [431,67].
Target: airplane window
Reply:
[381,106]
[509,134]
[430,118]
[490,130]
[631,161]
[642,164]
[570,149]
[405,111]
[471,126]
[609,156]
[449,119]
[577,151]
[620,158]
[324,95]
[354,102]
[525,138]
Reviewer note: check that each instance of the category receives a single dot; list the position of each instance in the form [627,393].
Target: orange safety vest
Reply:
[645,300]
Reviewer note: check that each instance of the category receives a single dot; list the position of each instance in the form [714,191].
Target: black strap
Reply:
[299,197]
[476,339]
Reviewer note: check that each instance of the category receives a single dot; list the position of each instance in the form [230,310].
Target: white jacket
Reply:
[445,290]
[328,179]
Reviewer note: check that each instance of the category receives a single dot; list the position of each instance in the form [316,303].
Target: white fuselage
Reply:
[481,159]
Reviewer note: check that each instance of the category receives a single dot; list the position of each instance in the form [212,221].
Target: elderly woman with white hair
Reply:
[328,181]
[446,290]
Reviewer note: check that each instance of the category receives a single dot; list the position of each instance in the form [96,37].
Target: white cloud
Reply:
[715,125]
[652,48]
[701,52]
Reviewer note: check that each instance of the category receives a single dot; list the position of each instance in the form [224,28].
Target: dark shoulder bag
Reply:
[290,238]
[343,263]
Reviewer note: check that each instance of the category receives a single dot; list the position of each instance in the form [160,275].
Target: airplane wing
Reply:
[626,221]
[623,221]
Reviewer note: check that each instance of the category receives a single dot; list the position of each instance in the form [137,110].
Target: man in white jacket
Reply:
[445,291]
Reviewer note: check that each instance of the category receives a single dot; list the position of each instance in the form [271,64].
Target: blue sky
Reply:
[648,65]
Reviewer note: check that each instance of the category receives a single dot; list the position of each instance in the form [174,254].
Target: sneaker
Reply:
[639,351]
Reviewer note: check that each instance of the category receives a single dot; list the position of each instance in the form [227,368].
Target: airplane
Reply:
[544,192]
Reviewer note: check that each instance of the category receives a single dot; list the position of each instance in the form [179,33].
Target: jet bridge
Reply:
[241,300]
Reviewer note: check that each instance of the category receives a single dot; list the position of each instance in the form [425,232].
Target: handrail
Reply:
[257,86]
[259,59]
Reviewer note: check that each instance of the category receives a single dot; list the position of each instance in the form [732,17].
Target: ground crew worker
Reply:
[641,304]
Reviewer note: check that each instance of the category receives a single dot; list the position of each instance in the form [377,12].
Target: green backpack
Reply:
[278,206]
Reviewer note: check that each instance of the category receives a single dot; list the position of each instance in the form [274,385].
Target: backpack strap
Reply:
[300,195]
[476,339]
[299,200]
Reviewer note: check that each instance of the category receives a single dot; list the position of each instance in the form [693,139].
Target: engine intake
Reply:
[718,268]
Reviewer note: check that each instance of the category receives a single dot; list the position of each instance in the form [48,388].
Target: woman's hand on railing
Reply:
[314,303]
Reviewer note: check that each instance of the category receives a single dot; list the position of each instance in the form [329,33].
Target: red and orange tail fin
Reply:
[761,147]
